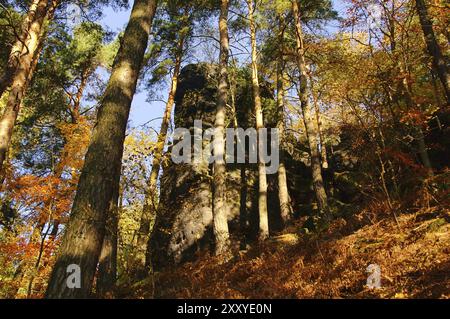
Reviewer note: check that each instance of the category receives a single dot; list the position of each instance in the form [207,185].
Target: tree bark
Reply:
[262,178]
[323,149]
[311,133]
[22,76]
[149,210]
[283,194]
[5,161]
[99,181]
[439,63]
[18,49]
[220,218]
[107,266]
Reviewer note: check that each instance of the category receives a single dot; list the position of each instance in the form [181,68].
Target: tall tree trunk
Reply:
[283,194]
[439,63]
[243,211]
[21,77]
[75,100]
[107,266]
[311,133]
[320,141]
[149,209]
[99,181]
[18,49]
[33,67]
[262,178]
[220,214]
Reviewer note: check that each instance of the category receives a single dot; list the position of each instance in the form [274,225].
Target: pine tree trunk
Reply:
[220,219]
[17,50]
[107,266]
[74,106]
[283,194]
[22,77]
[323,149]
[30,75]
[262,178]
[150,205]
[439,63]
[311,133]
[99,181]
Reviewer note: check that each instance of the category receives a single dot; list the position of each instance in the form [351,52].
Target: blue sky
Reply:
[141,110]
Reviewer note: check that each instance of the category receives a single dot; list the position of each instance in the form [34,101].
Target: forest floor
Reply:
[413,254]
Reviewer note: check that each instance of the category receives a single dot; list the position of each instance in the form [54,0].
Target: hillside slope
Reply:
[413,254]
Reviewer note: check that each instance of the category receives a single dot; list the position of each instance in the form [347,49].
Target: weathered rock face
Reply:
[184,218]
[185,213]
[183,224]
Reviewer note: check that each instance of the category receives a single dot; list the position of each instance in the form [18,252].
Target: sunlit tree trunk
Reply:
[21,76]
[311,133]
[262,178]
[98,185]
[75,100]
[439,63]
[283,193]
[30,75]
[233,83]
[150,205]
[220,218]
[34,15]
[323,149]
